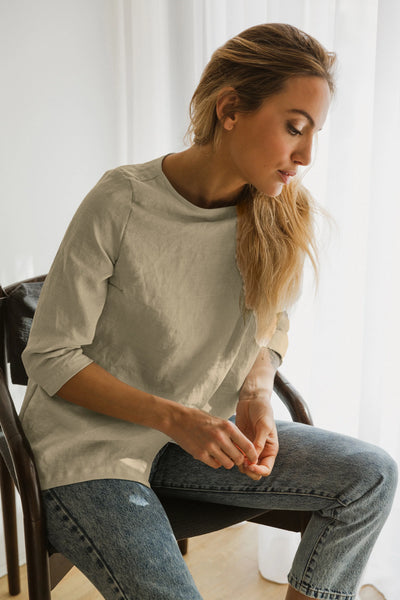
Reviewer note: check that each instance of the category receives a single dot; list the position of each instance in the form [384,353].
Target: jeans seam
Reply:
[87,538]
[308,569]
[252,491]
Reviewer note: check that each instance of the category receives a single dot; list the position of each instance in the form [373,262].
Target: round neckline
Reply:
[221,210]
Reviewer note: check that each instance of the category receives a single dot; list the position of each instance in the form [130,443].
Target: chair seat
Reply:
[190,518]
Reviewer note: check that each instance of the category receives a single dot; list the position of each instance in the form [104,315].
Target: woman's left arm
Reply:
[254,414]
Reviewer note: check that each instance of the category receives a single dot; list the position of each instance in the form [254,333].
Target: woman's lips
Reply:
[286,175]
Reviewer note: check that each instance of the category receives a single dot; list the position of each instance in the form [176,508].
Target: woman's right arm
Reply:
[207,438]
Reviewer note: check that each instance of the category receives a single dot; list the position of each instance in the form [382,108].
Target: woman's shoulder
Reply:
[136,172]
[118,190]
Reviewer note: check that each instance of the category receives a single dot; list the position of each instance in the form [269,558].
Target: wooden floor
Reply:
[223,564]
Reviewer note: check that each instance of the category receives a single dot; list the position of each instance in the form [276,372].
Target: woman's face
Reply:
[266,147]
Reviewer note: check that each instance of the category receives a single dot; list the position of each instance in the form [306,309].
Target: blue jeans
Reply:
[116,532]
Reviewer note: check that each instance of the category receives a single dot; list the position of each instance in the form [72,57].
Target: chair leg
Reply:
[183,546]
[10,529]
[37,562]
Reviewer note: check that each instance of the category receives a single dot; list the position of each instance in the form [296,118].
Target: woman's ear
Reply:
[226,105]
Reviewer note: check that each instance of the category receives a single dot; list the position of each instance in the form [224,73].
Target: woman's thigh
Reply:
[313,468]
[117,533]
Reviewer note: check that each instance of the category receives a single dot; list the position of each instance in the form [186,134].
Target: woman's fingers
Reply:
[246,471]
[230,446]
[213,462]
[228,458]
[226,455]
[259,470]
[225,461]
[244,446]
[212,440]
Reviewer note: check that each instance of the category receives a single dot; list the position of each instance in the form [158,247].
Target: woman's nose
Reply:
[303,153]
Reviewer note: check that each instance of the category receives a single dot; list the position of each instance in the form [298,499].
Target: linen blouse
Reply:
[145,284]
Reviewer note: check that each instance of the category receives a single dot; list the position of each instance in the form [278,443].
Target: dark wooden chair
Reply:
[45,566]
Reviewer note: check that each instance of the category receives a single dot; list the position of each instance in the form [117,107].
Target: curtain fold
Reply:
[380,394]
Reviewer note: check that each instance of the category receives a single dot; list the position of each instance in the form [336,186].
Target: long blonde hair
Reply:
[274,233]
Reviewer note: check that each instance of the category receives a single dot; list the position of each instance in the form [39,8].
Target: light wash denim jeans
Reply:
[116,532]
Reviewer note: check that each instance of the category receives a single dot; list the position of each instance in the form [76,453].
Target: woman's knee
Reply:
[378,474]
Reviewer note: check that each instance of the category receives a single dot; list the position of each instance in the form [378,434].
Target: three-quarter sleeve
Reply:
[75,289]
[279,341]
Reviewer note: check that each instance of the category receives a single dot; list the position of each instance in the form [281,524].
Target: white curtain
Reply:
[89,85]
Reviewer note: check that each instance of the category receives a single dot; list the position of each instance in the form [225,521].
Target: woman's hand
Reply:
[214,441]
[254,417]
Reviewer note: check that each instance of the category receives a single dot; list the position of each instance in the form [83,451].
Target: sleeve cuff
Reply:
[52,377]
[280,341]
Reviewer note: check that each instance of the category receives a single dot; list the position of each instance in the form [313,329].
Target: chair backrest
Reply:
[17,306]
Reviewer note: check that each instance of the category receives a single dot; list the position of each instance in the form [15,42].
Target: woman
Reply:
[165,312]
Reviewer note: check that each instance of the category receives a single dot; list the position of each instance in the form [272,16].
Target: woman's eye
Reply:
[292,130]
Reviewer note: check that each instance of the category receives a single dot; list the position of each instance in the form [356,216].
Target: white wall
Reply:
[59,121]
[60,125]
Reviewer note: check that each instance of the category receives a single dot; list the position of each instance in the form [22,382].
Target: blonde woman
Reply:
[165,312]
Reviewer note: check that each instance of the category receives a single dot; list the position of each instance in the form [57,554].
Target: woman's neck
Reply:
[203,177]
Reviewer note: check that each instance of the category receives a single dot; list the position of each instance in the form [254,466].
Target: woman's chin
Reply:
[271,189]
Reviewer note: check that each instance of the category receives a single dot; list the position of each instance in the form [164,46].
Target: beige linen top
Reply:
[146,285]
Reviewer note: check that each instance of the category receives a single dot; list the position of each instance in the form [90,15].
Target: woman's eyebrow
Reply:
[304,113]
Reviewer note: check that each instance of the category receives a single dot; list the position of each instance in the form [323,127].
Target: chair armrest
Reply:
[293,401]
